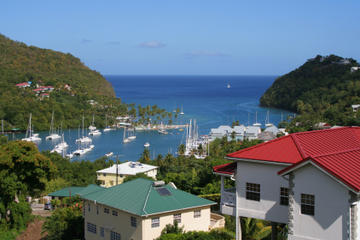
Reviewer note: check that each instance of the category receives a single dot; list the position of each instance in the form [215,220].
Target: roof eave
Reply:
[258,161]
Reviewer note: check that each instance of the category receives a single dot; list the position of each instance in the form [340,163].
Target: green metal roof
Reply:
[66,192]
[89,189]
[141,198]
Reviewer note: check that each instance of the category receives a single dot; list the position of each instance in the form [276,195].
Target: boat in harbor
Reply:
[267,120]
[107,128]
[132,135]
[182,111]
[228,85]
[95,133]
[125,139]
[147,144]
[52,134]
[83,139]
[30,136]
[256,124]
[61,147]
[163,131]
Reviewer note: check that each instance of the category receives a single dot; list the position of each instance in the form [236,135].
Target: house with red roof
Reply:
[308,180]
[23,85]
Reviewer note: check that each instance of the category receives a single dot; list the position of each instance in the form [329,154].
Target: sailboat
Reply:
[52,134]
[147,144]
[30,136]
[132,135]
[182,112]
[228,85]
[256,124]
[125,139]
[267,121]
[83,139]
[107,128]
[93,130]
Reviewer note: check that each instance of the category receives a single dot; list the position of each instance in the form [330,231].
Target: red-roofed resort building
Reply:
[308,180]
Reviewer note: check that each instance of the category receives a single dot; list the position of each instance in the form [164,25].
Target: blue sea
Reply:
[204,98]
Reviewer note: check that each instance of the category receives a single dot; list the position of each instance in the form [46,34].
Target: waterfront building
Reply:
[116,174]
[240,132]
[308,180]
[140,209]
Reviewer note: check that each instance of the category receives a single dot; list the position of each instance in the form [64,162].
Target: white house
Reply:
[354,69]
[309,181]
[116,174]
[355,107]
[241,132]
[252,132]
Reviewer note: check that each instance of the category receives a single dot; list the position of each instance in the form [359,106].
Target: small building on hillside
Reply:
[23,85]
[115,174]
[140,209]
[355,107]
[354,69]
[252,132]
[307,180]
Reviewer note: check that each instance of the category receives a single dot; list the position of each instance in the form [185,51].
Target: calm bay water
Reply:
[204,98]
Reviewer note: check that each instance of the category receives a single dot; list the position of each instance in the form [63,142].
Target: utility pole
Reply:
[117,171]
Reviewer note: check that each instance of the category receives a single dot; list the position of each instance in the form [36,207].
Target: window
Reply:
[111,183]
[284,196]
[155,222]
[114,213]
[91,227]
[133,221]
[102,233]
[89,207]
[308,204]
[197,214]
[177,218]
[97,209]
[106,210]
[104,174]
[253,191]
[115,236]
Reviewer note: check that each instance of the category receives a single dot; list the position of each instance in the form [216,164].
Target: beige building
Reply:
[140,209]
[116,174]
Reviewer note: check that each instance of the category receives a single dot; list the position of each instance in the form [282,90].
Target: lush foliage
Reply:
[65,223]
[23,172]
[212,235]
[321,90]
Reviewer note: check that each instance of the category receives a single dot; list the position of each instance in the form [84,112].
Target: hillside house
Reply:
[140,209]
[309,181]
[354,69]
[355,107]
[116,174]
[23,85]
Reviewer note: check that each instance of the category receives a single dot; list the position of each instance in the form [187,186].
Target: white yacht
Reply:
[30,136]
[147,144]
[83,139]
[256,124]
[52,134]
[109,154]
[95,133]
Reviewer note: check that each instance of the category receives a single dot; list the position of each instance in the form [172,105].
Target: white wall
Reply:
[331,206]
[268,208]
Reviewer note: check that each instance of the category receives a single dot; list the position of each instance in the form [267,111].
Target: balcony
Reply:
[228,201]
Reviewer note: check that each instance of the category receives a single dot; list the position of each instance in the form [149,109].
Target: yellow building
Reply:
[113,175]
[140,209]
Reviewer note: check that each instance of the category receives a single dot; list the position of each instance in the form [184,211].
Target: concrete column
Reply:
[238,222]
[274,231]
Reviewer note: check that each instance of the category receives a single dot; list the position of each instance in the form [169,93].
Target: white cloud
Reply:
[152,44]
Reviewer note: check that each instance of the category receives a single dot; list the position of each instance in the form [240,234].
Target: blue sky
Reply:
[188,37]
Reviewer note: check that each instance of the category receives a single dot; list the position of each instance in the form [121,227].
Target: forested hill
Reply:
[51,81]
[20,63]
[318,82]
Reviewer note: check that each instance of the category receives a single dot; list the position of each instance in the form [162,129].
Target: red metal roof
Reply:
[22,84]
[337,151]
[228,168]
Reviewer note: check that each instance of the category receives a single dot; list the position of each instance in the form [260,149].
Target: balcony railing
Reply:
[228,197]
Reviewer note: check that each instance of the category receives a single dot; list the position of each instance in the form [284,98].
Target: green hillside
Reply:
[74,86]
[322,89]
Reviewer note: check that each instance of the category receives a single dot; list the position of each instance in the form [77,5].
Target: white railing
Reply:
[228,197]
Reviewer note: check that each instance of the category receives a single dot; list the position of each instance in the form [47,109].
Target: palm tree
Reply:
[254,229]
